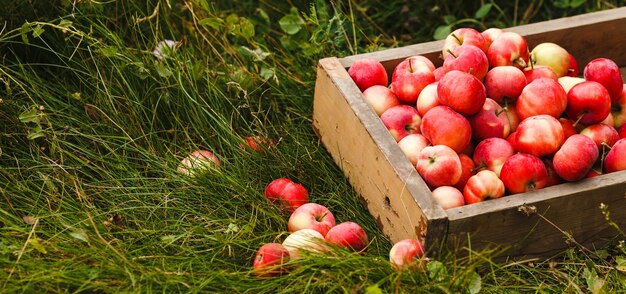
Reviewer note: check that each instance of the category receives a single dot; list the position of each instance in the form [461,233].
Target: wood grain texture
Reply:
[372,161]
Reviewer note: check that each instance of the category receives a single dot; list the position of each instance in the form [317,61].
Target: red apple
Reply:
[288,194]
[368,72]
[618,109]
[439,165]
[483,185]
[622,131]
[523,172]
[572,69]
[427,99]
[270,260]
[197,162]
[407,254]
[568,127]
[504,83]
[438,72]
[615,160]
[601,134]
[463,36]
[462,92]
[511,113]
[553,177]
[380,98]
[348,235]
[305,240]
[552,55]
[467,170]
[467,58]
[410,77]
[448,197]
[490,121]
[258,144]
[541,96]
[508,48]
[575,158]
[401,120]
[606,72]
[491,34]
[539,71]
[412,145]
[443,126]
[311,216]
[492,153]
[588,103]
[539,135]
[512,139]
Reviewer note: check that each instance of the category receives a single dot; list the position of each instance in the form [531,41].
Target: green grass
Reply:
[92,128]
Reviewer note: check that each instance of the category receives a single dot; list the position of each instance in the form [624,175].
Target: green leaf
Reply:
[37,31]
[80,235]
[475,283]
[267,73]
[483,10]
[24,32]
[64,23]
[442,32]
[437,270]
[34,241]
[373,289]
[213,22]
[449,19]
[291,23]
[576,3]
[163,71]
[246,28]
[31,115]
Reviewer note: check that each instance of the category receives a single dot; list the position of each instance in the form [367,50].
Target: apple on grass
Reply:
[288,194]
[443,126]
[588,103]
[197,162]
[462,37]
[270,259]
[492,153]
[615,159]
[539,135]
[448,197]
[412,145]
[407,254]
[410,77]
[427,99]
[258,143]
[368,72]
[606,72]
[349,235]
[553,56]
[490,121]
[541,96]
[439,165]
[523,172]
[311,216]
[401,120]
[505,83]
[483,185]
[467,58]
[305,240]
[380,98]
[462,92]
[508,48]
[575,158]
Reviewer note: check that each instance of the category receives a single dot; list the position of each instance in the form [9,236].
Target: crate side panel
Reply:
[350,141]
[572,208]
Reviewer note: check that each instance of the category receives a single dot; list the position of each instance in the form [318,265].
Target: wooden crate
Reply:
[401,202]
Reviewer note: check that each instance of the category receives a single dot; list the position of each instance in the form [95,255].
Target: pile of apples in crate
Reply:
[497,118]
[313,229]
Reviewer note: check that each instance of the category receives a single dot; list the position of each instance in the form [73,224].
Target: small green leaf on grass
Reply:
[436,270]
[80,235]
[31,115]
[37,31]
[475,283]
[373,289]
[163,71]
[213,22]
[24,32]
[34,241]
[291,23]
[449,19]
[64,23]
[442,32]
[483,10]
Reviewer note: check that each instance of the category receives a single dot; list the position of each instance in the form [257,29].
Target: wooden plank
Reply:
[572,207]
[351,131]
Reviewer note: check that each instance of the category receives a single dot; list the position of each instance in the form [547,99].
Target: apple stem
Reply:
[410,65]
[519,61]
[450,52]
[579,118]
[478,168]
[457,38]
[471,70]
